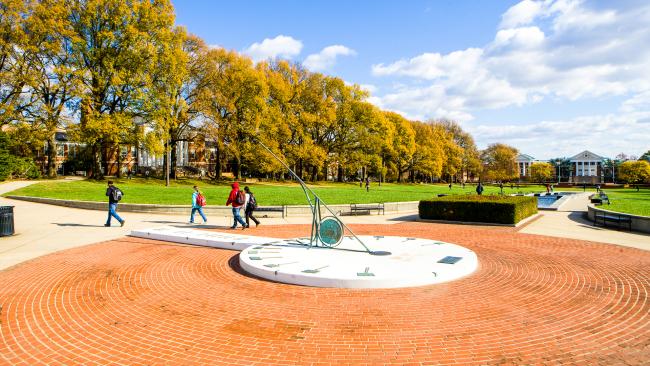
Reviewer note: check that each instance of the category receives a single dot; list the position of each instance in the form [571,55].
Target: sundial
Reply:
[333,255]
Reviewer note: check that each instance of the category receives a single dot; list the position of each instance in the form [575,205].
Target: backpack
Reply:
[117,194]
[200,200]
[252,202]
[240,198]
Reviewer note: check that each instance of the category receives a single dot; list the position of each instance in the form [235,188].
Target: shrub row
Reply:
[474,208]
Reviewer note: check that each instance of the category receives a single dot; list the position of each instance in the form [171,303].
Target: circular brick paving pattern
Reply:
[533,300]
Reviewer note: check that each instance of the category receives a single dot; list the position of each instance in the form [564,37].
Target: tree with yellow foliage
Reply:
[541,172]
[499,163]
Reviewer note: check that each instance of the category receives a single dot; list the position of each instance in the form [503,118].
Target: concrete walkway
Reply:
[570,222]
[43,229]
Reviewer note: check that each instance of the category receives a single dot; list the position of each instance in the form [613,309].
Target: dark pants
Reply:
[249,214]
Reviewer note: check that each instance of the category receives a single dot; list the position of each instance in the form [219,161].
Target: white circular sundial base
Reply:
[413,262]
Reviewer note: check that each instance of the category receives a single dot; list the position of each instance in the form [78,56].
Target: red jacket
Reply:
[232,197]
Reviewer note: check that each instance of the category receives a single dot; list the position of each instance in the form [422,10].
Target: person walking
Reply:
[198,202]
[479,188]
[249,207]
[237,199]
[114,195]
[501,187]
[367,184]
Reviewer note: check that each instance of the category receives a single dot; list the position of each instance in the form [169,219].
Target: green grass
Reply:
[153,191]
[629,201]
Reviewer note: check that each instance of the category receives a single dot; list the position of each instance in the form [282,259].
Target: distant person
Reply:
[129,174]
[367,184]
[584,187]
[552,188]
[450,186]
[548,188]
[237,198]
[463,184]
[501,187]
[637,189]
[114,195]
[597,187]
[479,188]
[249,207]
[198,202]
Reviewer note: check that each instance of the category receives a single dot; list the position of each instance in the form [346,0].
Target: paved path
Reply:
[533,300]
[42,229]
[571,222]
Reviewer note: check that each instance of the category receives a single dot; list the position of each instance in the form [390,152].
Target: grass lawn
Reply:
[629,201]
[153,191]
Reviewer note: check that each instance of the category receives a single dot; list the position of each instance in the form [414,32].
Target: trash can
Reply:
[6,220]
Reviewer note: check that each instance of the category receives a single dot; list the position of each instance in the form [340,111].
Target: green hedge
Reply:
[474,208]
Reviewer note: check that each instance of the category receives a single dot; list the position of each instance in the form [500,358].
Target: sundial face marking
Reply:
[366,273]
[315,270]
[262,258]
[279,264]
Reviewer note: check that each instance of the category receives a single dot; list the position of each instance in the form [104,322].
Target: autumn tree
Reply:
[429,156]
[114,45]
[234,104]
[15,68]
[634,171]
[53,84]
[403,144]
[499,162]
[541,171]
[470,163]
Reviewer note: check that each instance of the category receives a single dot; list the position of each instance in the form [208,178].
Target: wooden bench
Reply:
[272,209]
[356,209]
[619,219]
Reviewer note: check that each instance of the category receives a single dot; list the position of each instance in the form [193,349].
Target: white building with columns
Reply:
[523,163]
[586,167]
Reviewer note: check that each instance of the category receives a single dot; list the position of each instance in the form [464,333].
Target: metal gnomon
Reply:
[326,231]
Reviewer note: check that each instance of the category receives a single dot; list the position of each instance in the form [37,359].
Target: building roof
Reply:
[524,157]
[586,156]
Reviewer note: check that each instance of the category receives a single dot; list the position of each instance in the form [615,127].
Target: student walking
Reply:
[198,202]
[367,184]
[114,195]
[479,188]
[237,199]
[249,207]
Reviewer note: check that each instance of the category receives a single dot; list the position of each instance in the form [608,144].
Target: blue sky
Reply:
[550,77]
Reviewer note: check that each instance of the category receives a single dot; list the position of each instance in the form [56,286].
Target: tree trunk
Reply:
[339,177]
[97,165]
[217,164]
[314,173]
[173,159]
[119,161]
[236,168]
[51,156]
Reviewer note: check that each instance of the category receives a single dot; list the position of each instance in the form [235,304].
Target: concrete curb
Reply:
[520,223]
[289,211]
[639,223]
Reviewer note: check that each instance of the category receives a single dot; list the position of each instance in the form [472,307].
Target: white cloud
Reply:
[521,14]
[551,49]
[326,58]
[369,87]
[606,135]
[280,46]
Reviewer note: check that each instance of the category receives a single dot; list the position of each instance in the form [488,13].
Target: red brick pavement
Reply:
[533,300]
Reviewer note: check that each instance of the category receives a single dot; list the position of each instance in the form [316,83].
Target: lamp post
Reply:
[558,171]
